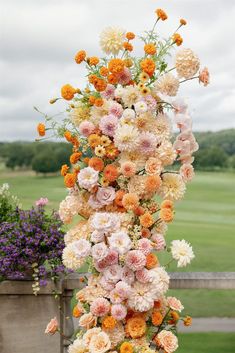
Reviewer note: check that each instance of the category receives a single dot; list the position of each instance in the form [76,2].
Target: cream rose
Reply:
[153,166]
[89,334]
[175,304]
[187,172]
[168,341]
[100,343]
[87,321]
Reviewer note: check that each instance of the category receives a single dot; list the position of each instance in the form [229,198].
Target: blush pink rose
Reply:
[187,172]
[100,307]
[168,341]
[135,260]
[105,196]
[52,327]
[204,76]
[175,304]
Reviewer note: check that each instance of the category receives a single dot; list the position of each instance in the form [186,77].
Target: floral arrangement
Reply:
[126,173]
[31,245]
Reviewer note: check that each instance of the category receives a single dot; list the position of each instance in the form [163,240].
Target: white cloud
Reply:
[39,40]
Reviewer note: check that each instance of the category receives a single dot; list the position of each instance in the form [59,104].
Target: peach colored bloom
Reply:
[87,321]
[52,327]
[130,201]
[153,166]
[166,215]
[175,304]
[204,76]
[187,172]
[168,341]
[146,220]
[128,169]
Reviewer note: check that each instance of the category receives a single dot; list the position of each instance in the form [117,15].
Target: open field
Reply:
[207,343]
[206,218]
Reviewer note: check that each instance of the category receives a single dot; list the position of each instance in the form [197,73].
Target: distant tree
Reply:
[45,162]
[231,162]
[211,158]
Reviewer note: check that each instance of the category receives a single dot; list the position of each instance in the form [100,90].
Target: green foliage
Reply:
[8,203]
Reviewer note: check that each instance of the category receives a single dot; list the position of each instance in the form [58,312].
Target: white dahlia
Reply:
[160,279]
[182,252]
[162,127]
[111,40]
[167,84]
[130,96]
[70,257]
[172,187]
[143,296]
[187,63]
[126,138]
[120,241]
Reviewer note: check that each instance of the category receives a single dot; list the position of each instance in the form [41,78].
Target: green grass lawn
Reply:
[211,342]
[206,218]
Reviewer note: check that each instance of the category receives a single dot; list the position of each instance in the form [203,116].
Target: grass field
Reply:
[207,343]
[206,218]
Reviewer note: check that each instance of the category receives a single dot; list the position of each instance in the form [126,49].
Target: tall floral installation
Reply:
[127,169]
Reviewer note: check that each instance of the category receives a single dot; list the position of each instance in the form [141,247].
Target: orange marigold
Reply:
[152,183]
[86,160]
[99,102]
[150,49]
[110,172]
[68,135]
[100,85]
[157,318]
[177,39]
[167,204]
[130,35]
[92,78]
[166,215]
[112,151]
[183,22]
[96,163]
[104,71]
[41,129]
[127,46]
[128,62]
[116,66]
[174,318]
[64,169]
[80,56]
[112,79]
[94,140]
[151,261]
[119,197]
[93,60]
[130,201]
[148,66]
[92,100]
[109,323]
[74,158]
[161,14]
[146,220]
[70,180]
[136,327]
[76,312]
[187,321]
[68,92]
[126,347]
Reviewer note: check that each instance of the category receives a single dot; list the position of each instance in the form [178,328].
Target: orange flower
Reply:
[126,347]
[187,321]
[166,215]
[110,172]
[150,49]
[70,180]
[139,210]
[76,170]
[128,46]
[167,204]
[157,318]
[109,323]
[99,102]
[76,312]
[74,158]
[152,183]
[116,66]
[68,92]
[130,201]
[94,140]
[174,318]
[157,304]
[145,233]
[148,66]
[68,135]
[92,78]
[80,56]
[64,169]
[112,151]
[112,79]
[41,129]
[92,100]
[146,220]
[96,163]
[151,261]
[100,85]
[93,60]
[86,160]
[177,39]
[136,327]
[104,71]
[130,35]
[128,62]
[161,14]
[119,197]
[183,22]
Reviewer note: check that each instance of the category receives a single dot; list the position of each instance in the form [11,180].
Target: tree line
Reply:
[217,151]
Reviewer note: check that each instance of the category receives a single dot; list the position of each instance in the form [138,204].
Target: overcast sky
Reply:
[39,40]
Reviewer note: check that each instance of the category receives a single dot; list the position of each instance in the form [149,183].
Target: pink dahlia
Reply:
[112,257]
[116,109]
[124,77]
[86,128]
[118,311]
[108,124]
[127,275]
[159,241]
[123,289]
[109,286]
[145,246]
[115,297]
[147,142]
[113,273]
[100,307]
[135,260]
[143,275]
[108,92]
[99,251]
[174,304]
[150,101]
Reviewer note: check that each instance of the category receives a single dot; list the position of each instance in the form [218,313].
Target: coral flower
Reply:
[68,92]
[130,201]
[166,215]
[96,163]
[146,220]
[41,129]
[80,56]
[157,318]
[128,169]
[148,66]
[70,180]
[136,327]
[167,204]
[110,172]
[119,197]
[151,261]
[161,14]
[152,183]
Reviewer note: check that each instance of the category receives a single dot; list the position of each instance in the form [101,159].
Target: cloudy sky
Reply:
[39,40]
